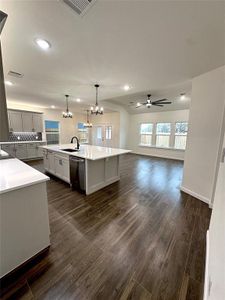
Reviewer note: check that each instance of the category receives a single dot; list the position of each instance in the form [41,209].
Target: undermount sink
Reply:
[70,150]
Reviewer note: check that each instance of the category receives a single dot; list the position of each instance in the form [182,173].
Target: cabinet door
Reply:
[66,170]
[9,148]
[58,167]
[31,150]
[16,123]
[46,159]
[51,157]
[21,151]
[37,123]
[27,122]
[39,151]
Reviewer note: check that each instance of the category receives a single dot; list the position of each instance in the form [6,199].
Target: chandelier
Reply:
[88,124]
[97,110]
[67,113]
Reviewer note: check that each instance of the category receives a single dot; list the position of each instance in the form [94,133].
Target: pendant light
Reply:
[88,124]
[97,110]
[67,113]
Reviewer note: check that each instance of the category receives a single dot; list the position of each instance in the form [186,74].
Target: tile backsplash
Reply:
[25,136]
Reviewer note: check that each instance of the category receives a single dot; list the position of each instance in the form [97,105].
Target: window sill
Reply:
[165,148]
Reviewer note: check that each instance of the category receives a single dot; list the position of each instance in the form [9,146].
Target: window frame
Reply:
[146,134]
[180,134]
[169,134]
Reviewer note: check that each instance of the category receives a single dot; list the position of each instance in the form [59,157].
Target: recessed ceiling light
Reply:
[52,106]
[8,82]
[182,96]
[78,99]
[126,87]
[43,44]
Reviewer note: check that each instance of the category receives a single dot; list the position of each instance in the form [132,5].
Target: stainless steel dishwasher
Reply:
[77,173]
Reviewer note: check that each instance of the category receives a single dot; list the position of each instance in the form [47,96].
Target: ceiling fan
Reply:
[149,102]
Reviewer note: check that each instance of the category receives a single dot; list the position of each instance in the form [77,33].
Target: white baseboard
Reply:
[160,156]
[196,195]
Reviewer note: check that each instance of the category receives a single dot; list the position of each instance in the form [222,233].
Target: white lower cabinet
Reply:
[31,151]
[21,151]
[57,164]
[46,159]
[24,151]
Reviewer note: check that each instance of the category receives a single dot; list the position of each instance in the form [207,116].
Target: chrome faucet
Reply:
[78,144]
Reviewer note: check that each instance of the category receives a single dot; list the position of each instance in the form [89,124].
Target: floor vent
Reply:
[15,74]
[79,6]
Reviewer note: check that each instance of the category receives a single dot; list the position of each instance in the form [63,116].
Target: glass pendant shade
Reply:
[67,113]
[88,124]
[96,110]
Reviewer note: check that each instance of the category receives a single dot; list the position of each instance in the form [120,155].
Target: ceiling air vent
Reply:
[79,6]
[15,74]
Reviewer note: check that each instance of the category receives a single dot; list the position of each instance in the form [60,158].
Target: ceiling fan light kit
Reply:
[67,113]
[97,110]
[149,103]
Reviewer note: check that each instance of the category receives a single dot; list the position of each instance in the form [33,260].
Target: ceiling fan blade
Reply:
[157,104]
[168,102]
[137,106]
[160,100]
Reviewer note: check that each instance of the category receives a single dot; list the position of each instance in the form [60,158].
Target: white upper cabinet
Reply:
[15,121]
[27,119]
[37,123]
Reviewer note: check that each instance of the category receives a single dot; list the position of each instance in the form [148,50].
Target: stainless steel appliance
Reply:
[77,173]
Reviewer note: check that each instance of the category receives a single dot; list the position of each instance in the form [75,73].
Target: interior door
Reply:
[102,135]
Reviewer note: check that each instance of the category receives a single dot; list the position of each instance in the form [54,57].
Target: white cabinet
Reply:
[21,151]
[46,159]
[15,121]
[10,149]
[37,123]
[31,150]
[27,120]
[57,164]
[51,158]
[62,167]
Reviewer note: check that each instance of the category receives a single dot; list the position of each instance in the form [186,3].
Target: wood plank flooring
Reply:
[139,238]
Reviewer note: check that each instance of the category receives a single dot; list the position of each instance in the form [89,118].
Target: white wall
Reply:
[68,127]
[215,265]
[205,126]
[154,117]
[109,119]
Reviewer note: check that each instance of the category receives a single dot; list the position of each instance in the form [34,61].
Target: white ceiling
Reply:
[154,46]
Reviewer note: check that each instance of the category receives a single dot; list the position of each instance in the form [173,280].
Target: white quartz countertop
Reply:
[15,174]
[88,151]
[21,142]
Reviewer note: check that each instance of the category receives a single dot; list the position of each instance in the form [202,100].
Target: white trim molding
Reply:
[196,195]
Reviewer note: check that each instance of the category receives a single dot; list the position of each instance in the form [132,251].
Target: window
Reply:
[163,131]
[181,135]
[108,132]
[99,132]
[146,134]
[52,132]
[83,133]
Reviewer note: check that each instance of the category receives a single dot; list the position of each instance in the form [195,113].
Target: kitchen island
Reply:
[88,169]
[24,222]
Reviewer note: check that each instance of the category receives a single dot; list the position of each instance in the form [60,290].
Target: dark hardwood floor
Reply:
[140,238]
